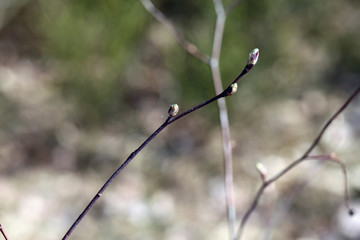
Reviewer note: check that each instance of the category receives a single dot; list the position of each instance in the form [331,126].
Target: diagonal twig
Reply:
[3,232]
[231,89]
[186,45]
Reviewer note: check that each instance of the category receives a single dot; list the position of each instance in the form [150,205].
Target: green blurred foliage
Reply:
[92,43]
[111,71]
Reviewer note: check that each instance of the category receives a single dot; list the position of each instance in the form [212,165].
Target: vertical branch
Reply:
[213,62]
[223,114]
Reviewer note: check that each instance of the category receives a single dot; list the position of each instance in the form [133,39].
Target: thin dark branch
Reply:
[295,163]
[227,92]
[3,232]
[186,45]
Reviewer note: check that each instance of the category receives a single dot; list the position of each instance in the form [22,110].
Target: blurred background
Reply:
[84,83]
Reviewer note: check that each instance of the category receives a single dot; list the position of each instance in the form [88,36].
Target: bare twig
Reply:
[186,45]
[231,89]
[3,232]
[295,163]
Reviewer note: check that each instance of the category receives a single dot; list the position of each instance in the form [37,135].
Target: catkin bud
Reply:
[234,88]
[253,56]
[173,110]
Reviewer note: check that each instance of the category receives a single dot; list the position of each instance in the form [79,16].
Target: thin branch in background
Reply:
[224,118]
[186,45]
[305,156]
[230,90]
[3,232]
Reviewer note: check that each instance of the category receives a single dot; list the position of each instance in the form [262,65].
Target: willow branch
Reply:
[170,119]
[305,156]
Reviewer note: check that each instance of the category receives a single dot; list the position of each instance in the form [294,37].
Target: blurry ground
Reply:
[82,84]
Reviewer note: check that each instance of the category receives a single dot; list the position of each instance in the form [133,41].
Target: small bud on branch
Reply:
[262,171]
[234,88]
[173,110]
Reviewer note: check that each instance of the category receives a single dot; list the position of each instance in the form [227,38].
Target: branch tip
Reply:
[253,56]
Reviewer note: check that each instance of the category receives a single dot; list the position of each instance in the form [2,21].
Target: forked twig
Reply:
[305,156]
[231,89]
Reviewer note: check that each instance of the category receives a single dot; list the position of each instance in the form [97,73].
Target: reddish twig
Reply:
[305,156]
[3,232]
[231,89]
